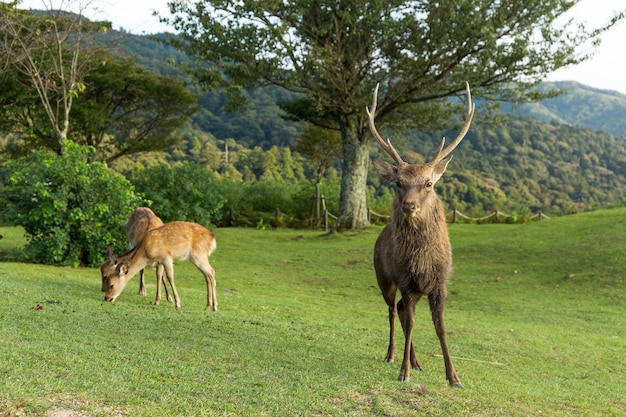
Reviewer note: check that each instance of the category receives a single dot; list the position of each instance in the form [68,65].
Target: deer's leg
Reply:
[414,363]
[142,284]
[406,311]
[209,275]
[161,281]
[390,299]
[169,271]
[436,301]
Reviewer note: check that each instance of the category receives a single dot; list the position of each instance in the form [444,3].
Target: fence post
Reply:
[454,215]
[325,220]
[497,214]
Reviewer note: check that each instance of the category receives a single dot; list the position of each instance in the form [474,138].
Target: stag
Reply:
[140,221]
[412,253]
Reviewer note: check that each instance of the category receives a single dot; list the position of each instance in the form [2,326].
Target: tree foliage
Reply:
[70,209]
[49,51]
[334,52]
[122,109]
[185,192]
[126,109]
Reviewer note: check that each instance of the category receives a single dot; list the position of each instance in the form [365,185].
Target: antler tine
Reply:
[386,145]
[442,153]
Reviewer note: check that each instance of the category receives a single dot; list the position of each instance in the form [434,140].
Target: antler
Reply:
[442,153]
[386,145]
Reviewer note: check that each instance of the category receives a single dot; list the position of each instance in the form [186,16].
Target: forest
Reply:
[570,159]
[213,164]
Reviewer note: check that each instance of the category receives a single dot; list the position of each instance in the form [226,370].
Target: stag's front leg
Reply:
[414,363]
[406,311]
[436,301]
[392,322]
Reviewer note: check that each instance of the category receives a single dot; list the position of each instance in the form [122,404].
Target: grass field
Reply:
[536,320]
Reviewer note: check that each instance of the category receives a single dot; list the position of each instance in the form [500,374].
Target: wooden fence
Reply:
[325,217]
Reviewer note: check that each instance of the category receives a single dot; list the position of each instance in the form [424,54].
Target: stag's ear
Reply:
[440,168]
[386,171]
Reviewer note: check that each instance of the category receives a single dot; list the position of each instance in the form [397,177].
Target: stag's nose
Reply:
[408,208]
[108,299]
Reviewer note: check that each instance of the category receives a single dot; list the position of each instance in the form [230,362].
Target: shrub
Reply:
[186,192]
[70,209]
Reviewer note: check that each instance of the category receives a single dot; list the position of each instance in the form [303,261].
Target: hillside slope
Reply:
[580,105]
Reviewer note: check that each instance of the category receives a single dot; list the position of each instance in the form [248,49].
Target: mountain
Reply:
[564,154]
[579,105]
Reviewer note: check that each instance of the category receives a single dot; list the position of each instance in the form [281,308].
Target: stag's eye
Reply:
[429,185]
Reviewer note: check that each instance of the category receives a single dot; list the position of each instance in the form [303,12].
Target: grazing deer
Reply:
[413,252]
[163,245]
[140,221]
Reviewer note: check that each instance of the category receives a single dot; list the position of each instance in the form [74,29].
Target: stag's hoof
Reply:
[403,378]
[416,366]
[388,360]
[457,385]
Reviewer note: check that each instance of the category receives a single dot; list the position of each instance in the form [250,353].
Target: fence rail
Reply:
[454,216]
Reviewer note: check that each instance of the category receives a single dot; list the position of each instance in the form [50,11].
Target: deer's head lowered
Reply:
[416,182]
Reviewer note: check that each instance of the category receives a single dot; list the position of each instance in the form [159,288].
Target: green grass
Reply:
[302,330]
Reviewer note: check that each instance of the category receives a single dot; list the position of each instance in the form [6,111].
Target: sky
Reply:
[605,70]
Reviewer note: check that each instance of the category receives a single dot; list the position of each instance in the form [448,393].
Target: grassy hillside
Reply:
[535,319]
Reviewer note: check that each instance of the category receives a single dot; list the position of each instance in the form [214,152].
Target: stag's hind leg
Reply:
[436,301]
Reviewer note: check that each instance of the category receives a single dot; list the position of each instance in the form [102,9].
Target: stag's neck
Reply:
[425,234]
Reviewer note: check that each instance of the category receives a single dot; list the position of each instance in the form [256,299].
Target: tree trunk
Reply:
[352,199]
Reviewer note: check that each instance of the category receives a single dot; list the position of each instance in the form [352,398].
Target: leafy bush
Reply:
[70,209]
[185,192]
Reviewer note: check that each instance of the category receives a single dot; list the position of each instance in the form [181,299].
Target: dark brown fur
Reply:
[413,253]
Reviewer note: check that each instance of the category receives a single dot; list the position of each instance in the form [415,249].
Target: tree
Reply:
[48,49]
[334,52]
[124,109]
[322,147]
[127,109]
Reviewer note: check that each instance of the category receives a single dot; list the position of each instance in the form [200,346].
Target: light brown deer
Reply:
[413,252]
[140,221]
[163,245]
